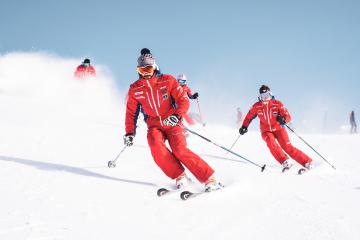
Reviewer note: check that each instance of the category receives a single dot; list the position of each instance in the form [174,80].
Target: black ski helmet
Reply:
[145,51]
[264,89]
[86,60]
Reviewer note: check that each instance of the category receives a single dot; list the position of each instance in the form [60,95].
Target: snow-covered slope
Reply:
[57,135]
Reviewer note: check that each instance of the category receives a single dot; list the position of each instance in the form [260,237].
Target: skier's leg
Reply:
[197,166]
[355,127]
[162,155]
[274,147]
[188,119]
[294,153]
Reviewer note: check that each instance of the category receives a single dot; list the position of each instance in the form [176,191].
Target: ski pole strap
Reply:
[224,148]
[310,146]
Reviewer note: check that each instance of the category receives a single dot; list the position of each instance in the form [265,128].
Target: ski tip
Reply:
[263,168]
[162,191]
[185,195]
[301,171]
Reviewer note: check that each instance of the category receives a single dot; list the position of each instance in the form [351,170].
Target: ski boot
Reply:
[306,167]
[286,165]
[211,184]
[182,180]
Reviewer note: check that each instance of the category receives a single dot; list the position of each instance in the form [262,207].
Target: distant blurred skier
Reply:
[182,81]
[164,102]
[85,70]
[353,123]
[273,116]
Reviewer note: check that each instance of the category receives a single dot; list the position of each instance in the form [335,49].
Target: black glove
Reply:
[171,120]
[243,130]
[195,95]
[128,140]
[281,119]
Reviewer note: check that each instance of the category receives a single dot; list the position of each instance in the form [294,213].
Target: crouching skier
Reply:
[273,116]
[164,102]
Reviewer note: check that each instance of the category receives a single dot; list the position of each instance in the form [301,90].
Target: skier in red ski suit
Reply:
[164,103]
[85,70]
[273,116]
[182,81]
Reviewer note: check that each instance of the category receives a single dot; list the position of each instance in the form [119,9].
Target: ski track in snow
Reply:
[57,135]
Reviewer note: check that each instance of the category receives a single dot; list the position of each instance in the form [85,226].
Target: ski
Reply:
[165,191]
[302,171]
[185,195]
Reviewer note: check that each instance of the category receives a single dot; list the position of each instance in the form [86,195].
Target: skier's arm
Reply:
[181,100]
[92,71]
[189,92]
[284,113]
[252,114]
[78,72]
[132,113]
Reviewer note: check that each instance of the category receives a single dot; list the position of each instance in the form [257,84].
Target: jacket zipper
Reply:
[157,94]
[152,95]
[268,115]
[149,100]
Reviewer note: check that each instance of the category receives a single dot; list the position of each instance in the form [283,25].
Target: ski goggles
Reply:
[265,95]
[146,70]
[86,64]
[182,81]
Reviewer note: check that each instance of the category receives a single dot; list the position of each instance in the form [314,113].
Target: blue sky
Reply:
[307,51]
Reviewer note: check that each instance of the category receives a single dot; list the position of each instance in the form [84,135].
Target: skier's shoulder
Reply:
[257,105]
[136,85]
[166,78]
[276,102]
[185,87]
[91,68]
[80,67]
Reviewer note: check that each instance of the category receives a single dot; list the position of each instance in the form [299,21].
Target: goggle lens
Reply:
[147,70]
[265,95]
[181,81]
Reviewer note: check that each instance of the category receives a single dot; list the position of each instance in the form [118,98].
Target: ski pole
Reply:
[234,143]
[309,146]
[224,148]
[112,164]
[201,116]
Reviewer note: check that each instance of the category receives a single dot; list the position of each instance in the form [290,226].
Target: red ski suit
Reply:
[273,133]
[186,116]
[158,98]
[83,72]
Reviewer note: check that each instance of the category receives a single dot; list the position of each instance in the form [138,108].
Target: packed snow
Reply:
[57,135]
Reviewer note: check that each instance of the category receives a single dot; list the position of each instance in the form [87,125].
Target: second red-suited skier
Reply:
[273,116]
[164,102]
